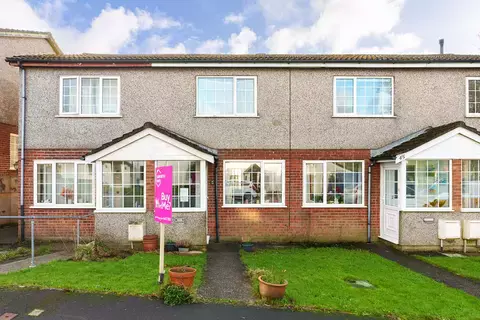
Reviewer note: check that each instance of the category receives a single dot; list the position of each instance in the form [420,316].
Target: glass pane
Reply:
[314,183]
[273,183]
[90,96]
[186,183]
[110,96]
[44,183]
[245,96]
[344,95]
[344,183]
[471,184]
[374,96]
[391,188]
[243,183]
[124,185]
[215,96]
[84,183]
[65,180]
[428,184]
[69,95]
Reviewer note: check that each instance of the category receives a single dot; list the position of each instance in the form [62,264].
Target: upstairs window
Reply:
[90,96]
[473,97]
[363,97]
[226,96]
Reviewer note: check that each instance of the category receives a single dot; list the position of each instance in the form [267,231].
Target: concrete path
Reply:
[25,263]
[452,280]
[225,276]
[61,305]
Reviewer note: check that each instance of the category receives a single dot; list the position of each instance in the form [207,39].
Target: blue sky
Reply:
[250,26]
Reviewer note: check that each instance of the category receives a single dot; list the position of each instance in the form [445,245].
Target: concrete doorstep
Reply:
[25,263]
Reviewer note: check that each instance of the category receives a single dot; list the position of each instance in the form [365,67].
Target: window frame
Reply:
[99,188]
[53,204]
[306,204]
[78,112]
[262,204]
[203,187]
[12,164]
[354,114]
[467,112]
[462,208]
[235,114]
[426,209]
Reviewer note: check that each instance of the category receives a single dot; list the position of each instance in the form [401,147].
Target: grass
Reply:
[317,277]
[466,266]
[23,252]
[135,275]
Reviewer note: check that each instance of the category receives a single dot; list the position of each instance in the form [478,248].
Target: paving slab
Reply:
[25,263]
[450,279]
[225,275]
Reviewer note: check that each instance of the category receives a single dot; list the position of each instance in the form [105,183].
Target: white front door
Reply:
[390,206]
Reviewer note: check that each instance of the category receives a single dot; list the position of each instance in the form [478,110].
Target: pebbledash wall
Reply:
[289,223]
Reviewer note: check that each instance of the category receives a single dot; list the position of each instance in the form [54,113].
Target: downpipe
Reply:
[215,181]
[369,208]
[22,150]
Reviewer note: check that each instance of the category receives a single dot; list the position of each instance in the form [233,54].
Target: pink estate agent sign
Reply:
[163,194]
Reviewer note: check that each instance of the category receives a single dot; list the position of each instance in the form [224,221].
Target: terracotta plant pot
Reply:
[271,290]
[150,242]
[182,276]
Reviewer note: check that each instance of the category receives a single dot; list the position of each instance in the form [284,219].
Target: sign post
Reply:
[163,209]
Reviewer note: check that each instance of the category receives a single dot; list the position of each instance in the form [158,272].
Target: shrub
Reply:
[92,251]
[183,244]
[174,295]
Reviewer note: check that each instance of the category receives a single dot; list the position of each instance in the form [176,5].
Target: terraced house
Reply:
[268,147]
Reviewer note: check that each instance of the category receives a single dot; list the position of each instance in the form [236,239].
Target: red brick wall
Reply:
[457,185]
[59,229]
[294,222]
[5,131]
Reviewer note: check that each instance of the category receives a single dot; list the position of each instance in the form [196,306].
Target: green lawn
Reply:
[317,276]
[468,266]
[135,275]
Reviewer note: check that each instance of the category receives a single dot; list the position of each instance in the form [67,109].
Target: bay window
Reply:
[471,184]
[123,184]
[254,183]
[428,184]
[63,183]
[363,96]
[226,96]
[89,96]
[333,183]
[187,184]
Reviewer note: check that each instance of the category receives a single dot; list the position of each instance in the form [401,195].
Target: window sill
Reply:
[88,116]
[227,116]
[323,206]
[428,210]
[472,115]
[466,210]
[363,116]
[59,206]
[119,210]
[254,206]
[186,210]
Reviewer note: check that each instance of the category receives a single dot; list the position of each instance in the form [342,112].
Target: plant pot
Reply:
[150,242]
[180,249]
[248,246]
[271,290]
[170,247]
[182,276]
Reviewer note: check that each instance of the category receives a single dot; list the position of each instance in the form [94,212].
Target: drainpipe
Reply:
[369,209]
[217,237]
[22,150]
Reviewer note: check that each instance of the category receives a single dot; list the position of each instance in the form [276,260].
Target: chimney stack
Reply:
[441,42]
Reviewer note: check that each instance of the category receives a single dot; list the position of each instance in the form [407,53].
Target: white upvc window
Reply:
[363,97]
[333,183]
[63,183]
[227,96]
[473,97]
[428,184]
[122,186]
[13,151]
[471,185]
[254,183]
[89,96]
[188,184]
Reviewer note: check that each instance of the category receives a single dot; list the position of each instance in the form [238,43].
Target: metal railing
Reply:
[32,228]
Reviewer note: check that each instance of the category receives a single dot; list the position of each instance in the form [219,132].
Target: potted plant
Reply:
[183,246]
[247,245]
[170,246]
[272,285]
[182,276]
[150,242]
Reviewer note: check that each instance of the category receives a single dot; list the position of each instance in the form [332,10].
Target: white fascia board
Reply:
[425,146]
[341,65]
[117,146]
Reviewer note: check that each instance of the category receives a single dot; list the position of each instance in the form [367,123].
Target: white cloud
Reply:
[160,45]
[234,18]
[398,43]
[242,42]
[110,31]
[211,46]
[274,10]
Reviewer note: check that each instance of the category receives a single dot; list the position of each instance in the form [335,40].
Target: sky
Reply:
[251,26]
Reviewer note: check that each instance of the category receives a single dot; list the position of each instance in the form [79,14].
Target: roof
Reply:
[425,136]
[171,134]
[248,58]
[32,34]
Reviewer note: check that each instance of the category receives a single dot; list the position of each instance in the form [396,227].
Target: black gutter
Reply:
[22,151]
[369,208]
[217,236]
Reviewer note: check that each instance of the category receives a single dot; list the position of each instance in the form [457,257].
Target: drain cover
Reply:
[8,316]
[360,283]
[36,312]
